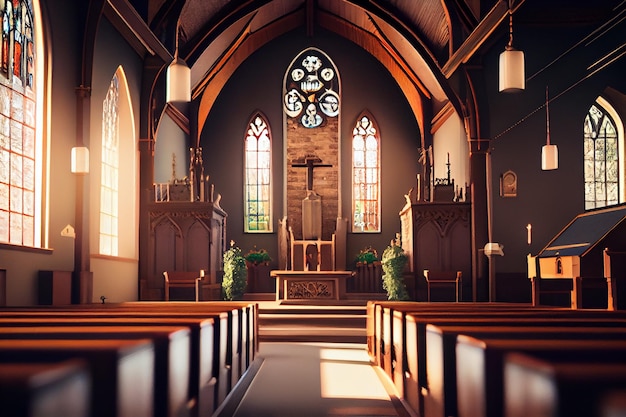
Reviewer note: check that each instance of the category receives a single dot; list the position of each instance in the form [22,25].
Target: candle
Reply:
[529,229]
[419,188]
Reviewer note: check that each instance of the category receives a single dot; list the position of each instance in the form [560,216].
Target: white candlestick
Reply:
[419,188]
[529,229]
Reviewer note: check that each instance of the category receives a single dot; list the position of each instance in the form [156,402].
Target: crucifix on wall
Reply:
[310,162]
[312,203]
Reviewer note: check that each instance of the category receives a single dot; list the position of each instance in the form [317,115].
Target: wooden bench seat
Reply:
[416,377]
[122,370]
[483,361]
[241,331]
[441,366]
[539,387]
[235,331]
[390,341]
[209,373]
[172,363]
[60,389]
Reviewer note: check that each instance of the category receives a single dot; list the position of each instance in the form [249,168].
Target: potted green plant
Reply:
[394,262]
[367,256]
[368,277]
[258,265]
[258,257]
[235,273]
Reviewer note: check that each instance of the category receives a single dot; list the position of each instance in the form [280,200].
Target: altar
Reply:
[310,285]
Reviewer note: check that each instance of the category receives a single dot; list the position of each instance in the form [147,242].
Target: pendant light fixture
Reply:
[549,153]
[79,163]
[178,78]
[512,76]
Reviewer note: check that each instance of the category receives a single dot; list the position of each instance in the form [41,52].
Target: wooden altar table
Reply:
[310,285]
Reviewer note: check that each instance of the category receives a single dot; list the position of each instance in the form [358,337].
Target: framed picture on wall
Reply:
[508,184]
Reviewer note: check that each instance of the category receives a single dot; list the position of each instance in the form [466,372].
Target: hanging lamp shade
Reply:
[549,157]
[79,163]
[512,77]
[178,81]
[549,152]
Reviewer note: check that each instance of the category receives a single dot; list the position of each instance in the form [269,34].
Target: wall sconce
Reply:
[549,153]
[493,249]
[80,160]
[512,77]
[178,78]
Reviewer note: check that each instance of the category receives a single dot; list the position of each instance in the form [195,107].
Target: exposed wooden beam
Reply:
[483,31]
[126,19]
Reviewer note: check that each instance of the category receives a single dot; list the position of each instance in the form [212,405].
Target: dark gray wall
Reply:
[257,85]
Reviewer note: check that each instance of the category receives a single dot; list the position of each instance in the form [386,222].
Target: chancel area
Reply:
[235,205]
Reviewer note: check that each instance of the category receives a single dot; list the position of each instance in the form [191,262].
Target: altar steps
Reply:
[312,323]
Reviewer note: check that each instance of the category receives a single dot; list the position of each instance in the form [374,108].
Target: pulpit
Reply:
[590,248]
[436,236]
[184,236]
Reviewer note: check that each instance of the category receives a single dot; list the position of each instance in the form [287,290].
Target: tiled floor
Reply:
[316,380]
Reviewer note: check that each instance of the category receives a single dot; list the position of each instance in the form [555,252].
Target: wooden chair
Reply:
[182,279]
[319,244]
[443,278]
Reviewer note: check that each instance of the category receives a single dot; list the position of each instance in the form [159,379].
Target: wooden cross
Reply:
[309,162]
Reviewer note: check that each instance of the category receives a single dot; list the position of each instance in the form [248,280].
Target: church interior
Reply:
[152,152]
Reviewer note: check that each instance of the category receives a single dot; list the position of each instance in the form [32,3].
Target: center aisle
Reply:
[315,380]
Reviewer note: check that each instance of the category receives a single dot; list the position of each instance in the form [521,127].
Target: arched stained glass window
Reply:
[20,146]
[601,159]
[258,162]
[109,182]
[365,176]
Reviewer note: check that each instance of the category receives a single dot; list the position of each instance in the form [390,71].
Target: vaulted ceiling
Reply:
[421,42]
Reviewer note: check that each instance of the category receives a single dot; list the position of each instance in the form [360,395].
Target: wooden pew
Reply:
[208,370]
[122,370]
[247,319]
[172,346]
[233,356]
[414,354]
[536,387]
[60,389]
[391,330]
[483,360]
[441,366]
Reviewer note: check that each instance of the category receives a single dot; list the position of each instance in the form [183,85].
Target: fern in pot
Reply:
[394,262]
[235,273]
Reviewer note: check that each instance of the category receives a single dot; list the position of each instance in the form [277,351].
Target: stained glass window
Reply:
[311,90]
[109,183]
[258,158]
[20,189]
[601,159]
[365,176]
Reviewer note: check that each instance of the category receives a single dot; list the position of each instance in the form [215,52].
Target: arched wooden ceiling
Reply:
[421,43]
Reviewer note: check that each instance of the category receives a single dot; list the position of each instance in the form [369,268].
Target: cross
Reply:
[309,162]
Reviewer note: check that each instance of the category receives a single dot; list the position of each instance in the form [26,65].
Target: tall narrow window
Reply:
[601,159]
[258,158]
[109,182]
[365,176]
[20,146]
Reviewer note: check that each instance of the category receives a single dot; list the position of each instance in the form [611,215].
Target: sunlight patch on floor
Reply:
[345,373]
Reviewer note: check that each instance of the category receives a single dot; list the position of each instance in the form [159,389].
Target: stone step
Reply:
[310,319]
[312,334]
[324,322]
